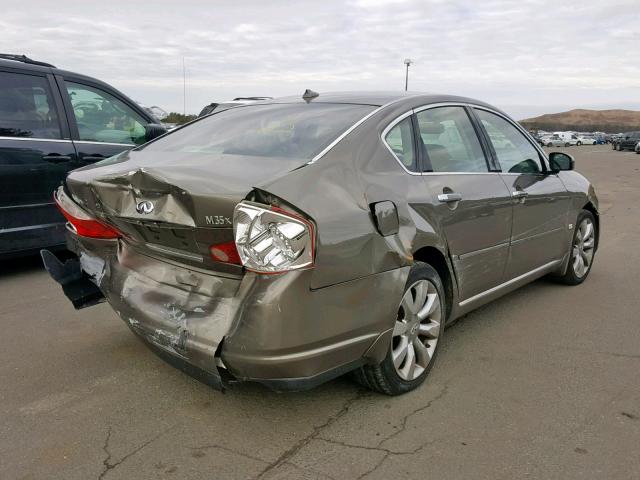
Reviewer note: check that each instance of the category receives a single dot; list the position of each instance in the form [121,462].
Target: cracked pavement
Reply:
[543,383]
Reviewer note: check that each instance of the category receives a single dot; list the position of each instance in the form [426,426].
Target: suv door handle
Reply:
[92,158]
[519,194]
[53,158]
[449,197]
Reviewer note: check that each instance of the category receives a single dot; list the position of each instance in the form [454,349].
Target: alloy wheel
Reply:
[583,248]
[416,330]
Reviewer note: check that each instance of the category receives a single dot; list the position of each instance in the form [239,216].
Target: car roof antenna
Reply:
[309,95]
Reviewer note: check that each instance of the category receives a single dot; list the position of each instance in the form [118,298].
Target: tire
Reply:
[409,332]
[549,144]
[579,143]
[574,274]
[567,144]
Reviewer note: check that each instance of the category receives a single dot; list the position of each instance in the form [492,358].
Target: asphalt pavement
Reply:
[543,383]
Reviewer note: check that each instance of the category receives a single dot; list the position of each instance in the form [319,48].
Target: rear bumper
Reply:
[271,329]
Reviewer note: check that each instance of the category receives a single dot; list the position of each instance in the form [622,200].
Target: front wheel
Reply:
[417,333]
[567,144]
[579,143]
[583,249]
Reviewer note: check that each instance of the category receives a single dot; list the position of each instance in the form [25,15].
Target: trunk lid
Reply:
[172,204]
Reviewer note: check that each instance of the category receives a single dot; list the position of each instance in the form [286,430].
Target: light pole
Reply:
[407,62]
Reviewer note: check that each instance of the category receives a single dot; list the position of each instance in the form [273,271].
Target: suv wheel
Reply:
[583,249]
[416,335]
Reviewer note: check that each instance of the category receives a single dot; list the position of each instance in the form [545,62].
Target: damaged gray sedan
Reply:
[295,240]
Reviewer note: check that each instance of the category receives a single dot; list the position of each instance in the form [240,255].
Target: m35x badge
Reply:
[145,207]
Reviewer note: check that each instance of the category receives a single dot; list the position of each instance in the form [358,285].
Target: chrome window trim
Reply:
[386,131]
[416,110]
[344,134]
[350,129]
[37,139]
[95,142]
[459,104]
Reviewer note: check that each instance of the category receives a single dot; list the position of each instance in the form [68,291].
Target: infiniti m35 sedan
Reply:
[298,239]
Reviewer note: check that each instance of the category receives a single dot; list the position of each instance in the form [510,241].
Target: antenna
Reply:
[309,95]
[184,88]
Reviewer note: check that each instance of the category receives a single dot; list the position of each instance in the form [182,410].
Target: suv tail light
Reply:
[271,240]
[80,221]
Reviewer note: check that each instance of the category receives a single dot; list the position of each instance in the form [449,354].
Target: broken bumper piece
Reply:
[76,284]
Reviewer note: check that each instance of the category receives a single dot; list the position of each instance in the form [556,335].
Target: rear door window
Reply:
[449,141]
[101,117]
[27,108]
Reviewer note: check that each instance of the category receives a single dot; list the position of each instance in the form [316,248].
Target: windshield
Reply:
[274,130]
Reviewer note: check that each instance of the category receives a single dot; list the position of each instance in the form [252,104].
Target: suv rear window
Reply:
[272,130]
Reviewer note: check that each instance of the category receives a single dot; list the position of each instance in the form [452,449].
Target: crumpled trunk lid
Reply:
[173,205]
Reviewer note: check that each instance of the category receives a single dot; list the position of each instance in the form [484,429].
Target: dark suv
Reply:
[628,141]
[51,122]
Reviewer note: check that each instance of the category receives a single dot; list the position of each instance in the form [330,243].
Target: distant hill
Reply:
[582,120]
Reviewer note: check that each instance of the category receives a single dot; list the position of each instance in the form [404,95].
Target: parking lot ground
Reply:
[543,383]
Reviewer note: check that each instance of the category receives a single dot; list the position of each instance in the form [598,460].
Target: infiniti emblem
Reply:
[145,207]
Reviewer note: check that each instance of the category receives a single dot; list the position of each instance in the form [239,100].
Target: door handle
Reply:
[519,194]
[53,158]
[449,197]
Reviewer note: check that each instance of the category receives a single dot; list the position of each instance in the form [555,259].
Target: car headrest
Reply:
[433,128]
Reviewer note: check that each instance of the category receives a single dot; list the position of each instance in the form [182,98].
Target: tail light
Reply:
[80,221]
[271,240]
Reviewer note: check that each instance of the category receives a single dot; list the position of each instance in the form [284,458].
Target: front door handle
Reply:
[449,197]
[519,194]
[55,158]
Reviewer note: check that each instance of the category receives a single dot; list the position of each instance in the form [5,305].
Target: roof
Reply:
[382,98]
[18,65]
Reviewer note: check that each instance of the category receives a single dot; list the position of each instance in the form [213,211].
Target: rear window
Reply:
[273,130]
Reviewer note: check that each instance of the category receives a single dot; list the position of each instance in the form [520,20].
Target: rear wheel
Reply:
[416,335]
[583,249]
[579,143]
[567,144]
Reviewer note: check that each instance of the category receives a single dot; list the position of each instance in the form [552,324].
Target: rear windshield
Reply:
[275,130]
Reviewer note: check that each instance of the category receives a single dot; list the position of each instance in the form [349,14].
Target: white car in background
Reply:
[558,141]
[586,139]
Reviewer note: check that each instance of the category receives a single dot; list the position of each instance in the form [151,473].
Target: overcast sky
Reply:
[528,57]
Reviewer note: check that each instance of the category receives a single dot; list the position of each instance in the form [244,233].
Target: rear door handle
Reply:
[54,158]
[449,197]
[519,194]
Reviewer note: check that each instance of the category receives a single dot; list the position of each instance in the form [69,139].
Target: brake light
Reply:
[226,253]
[80,221]
[272,240]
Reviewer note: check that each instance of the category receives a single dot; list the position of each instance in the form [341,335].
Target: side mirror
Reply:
[154,130]
[560,161]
